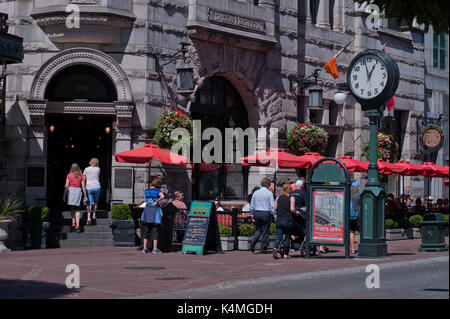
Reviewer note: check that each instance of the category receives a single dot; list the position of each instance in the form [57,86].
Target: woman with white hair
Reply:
[92,174]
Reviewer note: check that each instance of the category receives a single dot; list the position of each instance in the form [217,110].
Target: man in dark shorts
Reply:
[354,216]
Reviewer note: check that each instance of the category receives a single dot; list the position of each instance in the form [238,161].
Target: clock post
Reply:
[373,78]
[373,242]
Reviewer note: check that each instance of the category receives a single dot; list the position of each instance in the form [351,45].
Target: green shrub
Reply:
[445,218]
[246,230]
[36,214]
[403,223]
[273,229]
[225,231]
[415,220]
[121,212]
[10,209]
[390,224]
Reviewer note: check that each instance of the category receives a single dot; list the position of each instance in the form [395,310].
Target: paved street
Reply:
[123,272]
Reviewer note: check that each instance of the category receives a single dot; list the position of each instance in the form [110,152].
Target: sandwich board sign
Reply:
[202,230]
[328,188]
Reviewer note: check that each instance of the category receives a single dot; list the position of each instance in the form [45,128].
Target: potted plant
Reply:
[226,240]
[307,137]
[415,221]
[387,148]
[392,230]
[34,230]
[9,211]
[124,224]
[171,120]
[446,227]
[246,232]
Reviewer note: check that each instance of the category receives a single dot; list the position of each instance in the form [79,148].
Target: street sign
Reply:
[202,230]
[328,188]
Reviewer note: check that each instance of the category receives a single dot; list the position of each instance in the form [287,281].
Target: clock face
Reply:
[432,138]
[368,76]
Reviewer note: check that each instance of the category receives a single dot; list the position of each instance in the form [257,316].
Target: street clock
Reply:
[373,78]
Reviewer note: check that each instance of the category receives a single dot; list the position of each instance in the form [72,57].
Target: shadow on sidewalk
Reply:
[18,289]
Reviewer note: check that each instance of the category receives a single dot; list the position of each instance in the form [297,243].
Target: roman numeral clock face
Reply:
[368,77]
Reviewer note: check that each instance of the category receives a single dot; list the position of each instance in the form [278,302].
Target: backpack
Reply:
[353,214]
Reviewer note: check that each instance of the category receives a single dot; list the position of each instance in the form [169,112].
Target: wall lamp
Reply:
[315,96]
[185,72]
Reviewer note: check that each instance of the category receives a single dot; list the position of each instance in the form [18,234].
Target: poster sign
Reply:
[202,229]
[328,216]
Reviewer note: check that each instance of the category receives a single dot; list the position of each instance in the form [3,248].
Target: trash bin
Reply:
[432,230]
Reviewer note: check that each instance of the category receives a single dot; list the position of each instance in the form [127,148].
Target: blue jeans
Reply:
[93,195]
[284,227]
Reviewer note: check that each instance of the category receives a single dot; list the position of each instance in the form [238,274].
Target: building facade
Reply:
[93,89]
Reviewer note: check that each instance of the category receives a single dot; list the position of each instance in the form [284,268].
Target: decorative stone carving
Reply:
[236,21]
[86,18]
[84,1]
[37,112]
[85,56]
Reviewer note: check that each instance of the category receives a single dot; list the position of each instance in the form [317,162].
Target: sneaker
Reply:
[274,253]
[156,251]
[77,230]
[252,246]
[145,251]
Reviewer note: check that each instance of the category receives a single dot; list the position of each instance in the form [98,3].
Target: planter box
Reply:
[416,233]
[244,242]
[396,234]
[227,243]
[446,230]
[124,232]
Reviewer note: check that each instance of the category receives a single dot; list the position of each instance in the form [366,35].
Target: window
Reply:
[440,50]
[219,105]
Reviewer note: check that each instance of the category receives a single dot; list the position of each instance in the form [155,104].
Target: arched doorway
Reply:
[79,135]
[218,104]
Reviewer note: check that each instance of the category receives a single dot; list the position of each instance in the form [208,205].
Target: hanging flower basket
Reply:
[172,120]
[307,137]
[387,148]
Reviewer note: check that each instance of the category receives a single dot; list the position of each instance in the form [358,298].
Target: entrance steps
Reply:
[94,235]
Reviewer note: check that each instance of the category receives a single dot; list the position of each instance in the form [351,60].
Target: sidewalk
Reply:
[117,272]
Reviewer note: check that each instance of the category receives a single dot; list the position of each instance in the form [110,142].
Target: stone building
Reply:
[95,90]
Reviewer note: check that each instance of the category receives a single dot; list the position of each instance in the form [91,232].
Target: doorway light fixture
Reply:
[107,130]
[51,128]
[185,72]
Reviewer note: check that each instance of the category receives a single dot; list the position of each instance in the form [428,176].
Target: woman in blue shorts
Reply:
[92,174]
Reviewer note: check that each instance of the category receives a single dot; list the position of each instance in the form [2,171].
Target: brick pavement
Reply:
[115,272]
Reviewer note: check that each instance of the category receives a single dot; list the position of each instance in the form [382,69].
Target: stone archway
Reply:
[120,110]
[85,56]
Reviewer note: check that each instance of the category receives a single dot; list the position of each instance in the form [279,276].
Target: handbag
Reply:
[151,215]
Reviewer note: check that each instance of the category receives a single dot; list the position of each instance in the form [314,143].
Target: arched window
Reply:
[81,82]
[218,104]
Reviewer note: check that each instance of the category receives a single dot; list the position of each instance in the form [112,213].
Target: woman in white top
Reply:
[92,174]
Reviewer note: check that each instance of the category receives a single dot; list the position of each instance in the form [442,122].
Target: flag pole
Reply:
[340,51]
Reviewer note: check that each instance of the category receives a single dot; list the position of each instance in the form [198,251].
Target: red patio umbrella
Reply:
[446,182]
[433,170]
[270,157]
[411,169]
[387,168]
[308,159]
[354,165]
[146,153]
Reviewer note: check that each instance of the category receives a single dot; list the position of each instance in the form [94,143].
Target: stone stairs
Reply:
[95,235]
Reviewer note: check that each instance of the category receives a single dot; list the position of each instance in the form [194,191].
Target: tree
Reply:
[430,12]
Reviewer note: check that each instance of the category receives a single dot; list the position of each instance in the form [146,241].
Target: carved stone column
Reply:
[323,15]
[36,162]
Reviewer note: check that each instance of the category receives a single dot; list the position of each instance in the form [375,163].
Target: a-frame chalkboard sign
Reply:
[202,231]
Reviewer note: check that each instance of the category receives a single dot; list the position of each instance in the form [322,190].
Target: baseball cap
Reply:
[355,185]
[299,183]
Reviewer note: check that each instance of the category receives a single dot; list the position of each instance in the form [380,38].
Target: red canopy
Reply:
[146,153]
[411,169]
[433,170]
[354,165]
[308,159]
[390,168]
[446,182]
[268,158]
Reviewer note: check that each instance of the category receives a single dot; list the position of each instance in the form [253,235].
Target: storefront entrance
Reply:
[77,139]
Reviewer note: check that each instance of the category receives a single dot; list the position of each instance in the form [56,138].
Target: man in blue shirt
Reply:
[262,210]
